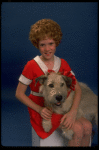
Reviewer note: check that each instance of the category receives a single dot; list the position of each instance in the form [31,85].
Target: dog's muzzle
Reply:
[59,98]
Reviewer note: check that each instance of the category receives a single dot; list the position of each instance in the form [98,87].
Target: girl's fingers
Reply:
[46,118]
[46,114]
[47,111]
[68,126]
[62,120]
[65,125]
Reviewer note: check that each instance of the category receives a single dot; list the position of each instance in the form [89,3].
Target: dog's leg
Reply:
[68,134]
[47,125]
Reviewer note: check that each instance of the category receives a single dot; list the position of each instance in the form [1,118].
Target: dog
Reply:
[54,88]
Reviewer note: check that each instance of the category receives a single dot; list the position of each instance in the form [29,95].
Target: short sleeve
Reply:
[27,74]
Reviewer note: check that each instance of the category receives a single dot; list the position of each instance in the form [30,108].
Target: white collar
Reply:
[57,64]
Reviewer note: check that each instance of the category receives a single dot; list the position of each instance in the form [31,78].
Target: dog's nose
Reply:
[58,97]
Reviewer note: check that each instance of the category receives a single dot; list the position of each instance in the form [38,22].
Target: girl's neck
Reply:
[49,63]
[47,60]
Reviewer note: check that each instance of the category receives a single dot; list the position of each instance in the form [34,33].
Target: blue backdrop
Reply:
[79,47]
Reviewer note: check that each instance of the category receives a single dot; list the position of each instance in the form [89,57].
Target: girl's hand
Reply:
[68,120]
[46,113]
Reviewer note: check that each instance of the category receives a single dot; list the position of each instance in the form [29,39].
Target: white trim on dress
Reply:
[24,80]
[57,64]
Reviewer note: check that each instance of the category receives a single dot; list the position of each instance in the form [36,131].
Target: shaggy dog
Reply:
[54,88]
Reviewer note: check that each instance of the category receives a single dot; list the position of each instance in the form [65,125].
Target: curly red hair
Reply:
[45,28]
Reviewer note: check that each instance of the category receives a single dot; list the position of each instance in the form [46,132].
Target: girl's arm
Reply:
[21,96]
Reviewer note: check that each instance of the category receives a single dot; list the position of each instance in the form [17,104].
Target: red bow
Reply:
[69,74]
[49,71]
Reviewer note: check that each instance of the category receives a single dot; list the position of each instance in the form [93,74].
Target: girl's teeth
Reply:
[47,53]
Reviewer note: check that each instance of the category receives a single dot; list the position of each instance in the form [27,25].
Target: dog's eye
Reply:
[51,85]
[62,84]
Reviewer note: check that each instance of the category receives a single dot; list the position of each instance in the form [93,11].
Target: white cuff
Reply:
[72,72]
[24,80]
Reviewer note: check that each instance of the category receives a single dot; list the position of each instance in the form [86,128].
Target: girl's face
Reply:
[47,48]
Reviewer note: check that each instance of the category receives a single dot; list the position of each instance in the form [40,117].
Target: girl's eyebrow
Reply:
[42,43]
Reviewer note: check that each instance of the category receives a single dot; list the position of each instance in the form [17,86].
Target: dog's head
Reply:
[54,88]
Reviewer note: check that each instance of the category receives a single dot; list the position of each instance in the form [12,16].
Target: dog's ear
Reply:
[68,80]
[41,79]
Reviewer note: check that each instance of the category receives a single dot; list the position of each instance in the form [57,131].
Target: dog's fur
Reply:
[54,88]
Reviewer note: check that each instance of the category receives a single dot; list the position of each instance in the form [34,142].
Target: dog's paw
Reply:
[68,134]
[47,125]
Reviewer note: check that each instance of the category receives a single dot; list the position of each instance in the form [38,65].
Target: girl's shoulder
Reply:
[29,66]
[30,63]
[64,61]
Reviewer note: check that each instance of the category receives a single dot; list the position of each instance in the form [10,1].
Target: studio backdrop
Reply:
[79,47]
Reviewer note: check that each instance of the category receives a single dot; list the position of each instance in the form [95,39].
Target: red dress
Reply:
[32,70]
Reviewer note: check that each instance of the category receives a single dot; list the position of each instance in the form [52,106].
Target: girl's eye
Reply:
[42,45]
[51,43]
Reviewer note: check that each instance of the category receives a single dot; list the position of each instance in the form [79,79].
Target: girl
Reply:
[46,35]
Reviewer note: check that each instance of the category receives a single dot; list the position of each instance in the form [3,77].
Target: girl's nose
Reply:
[47,48]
